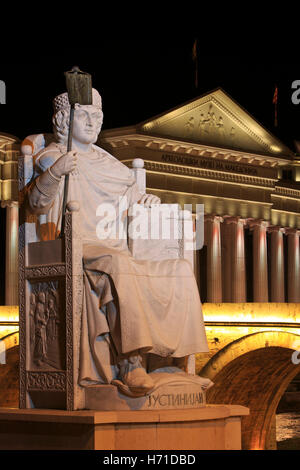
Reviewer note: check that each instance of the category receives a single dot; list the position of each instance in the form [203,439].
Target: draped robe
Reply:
[129,305]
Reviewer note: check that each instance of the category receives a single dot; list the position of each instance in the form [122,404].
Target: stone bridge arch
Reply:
[254,371]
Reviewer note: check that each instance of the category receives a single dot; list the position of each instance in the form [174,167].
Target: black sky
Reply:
[139,79]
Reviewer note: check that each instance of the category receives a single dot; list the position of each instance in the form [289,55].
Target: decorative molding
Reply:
[228,219]
[251,223]
[241,124]
[9,203]
[292,231]
[286,192]
[144,140]
[224,104]
[276,229]
[69,310]
[22,317]
[39,272]
[46,381]
[213,218]
[22,301]
[212,174]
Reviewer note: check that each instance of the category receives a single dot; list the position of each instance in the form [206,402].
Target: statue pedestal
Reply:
[172,391]
[213,427]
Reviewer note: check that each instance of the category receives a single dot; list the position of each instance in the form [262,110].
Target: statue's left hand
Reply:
[149,200]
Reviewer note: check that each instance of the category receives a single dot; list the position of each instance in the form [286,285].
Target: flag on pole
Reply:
[195,59]
[275,101]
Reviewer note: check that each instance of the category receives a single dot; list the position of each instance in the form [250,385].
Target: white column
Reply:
[234,253]
[293,265]
[11,257]
[260,260]
[277,264]
[214,266]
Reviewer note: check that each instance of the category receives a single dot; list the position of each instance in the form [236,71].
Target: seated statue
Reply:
[133,309]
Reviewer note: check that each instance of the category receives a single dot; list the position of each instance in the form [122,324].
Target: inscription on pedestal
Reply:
[173,400]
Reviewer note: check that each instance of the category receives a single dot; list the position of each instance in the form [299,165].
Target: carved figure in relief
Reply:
[220,127]
[189,127]
[201,124]
[41,319]
[32,306]
[53,321]
[232,133]
[131,307]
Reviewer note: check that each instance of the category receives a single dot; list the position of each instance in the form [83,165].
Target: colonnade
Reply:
[226,275]
[226,260]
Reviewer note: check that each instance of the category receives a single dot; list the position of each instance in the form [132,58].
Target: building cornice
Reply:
[139,139]
[206,174]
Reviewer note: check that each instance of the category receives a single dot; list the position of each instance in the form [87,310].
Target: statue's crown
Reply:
[62,101]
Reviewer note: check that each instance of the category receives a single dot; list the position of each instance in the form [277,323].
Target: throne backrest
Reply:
[30,149]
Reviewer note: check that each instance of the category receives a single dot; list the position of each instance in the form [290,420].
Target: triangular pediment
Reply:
[215,119]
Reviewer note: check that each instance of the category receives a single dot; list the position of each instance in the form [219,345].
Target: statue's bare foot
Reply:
[133,374]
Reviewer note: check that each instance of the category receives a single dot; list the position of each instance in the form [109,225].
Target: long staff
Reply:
[79,88]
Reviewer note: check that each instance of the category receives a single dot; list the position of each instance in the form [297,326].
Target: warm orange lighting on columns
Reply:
[293,265]
[234,260]
[277,264]
[214,267]
[260,260]
[11,258]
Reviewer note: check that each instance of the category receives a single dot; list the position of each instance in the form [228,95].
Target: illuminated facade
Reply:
[210,151]
[9,153]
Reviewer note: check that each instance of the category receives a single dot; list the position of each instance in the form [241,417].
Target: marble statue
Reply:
[133,310]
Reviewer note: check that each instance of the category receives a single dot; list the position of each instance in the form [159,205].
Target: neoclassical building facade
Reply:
[211,151]
[9,153]
[208,151]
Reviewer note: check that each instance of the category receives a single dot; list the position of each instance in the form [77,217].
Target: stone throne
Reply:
[51,289]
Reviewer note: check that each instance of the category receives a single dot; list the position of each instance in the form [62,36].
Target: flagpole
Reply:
[195,59]
[275,101]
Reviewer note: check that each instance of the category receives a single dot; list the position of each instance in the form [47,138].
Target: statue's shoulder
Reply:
[114,162]
[47,156]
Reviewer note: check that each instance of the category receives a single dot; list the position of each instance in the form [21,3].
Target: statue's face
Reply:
[87,124]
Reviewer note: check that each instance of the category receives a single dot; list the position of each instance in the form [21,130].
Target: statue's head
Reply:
[42,297]
[87,119]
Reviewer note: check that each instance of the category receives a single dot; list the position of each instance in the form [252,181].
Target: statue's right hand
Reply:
[65,164]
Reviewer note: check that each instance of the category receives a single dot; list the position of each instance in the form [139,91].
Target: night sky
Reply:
[140,79]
